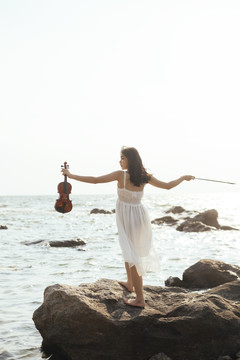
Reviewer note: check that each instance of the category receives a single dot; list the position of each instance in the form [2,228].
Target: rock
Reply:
[3,227]
[67,243]
[174,281]
[101,211]
[210,273]
[59,243]
[165,220]
[228,291]
[204,221]
[176,210]
[194,226]
[91,322]
[208,217]
[206,274]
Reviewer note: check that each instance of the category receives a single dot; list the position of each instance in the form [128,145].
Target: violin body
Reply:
[64,204]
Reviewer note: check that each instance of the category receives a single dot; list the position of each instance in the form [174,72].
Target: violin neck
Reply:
[65,184]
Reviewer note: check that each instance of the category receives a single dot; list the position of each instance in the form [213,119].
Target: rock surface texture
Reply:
[91,322]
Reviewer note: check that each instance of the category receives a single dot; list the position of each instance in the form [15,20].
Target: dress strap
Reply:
[124,179]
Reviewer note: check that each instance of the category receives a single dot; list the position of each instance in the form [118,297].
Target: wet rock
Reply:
[206,274]
[194,226]
[3,227]
[92,322]
[67,243]
[205,221]
[101,211]
[208,217]
[59,243]
[169,220]
[176,210]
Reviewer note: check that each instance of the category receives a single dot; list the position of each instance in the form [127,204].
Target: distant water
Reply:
[27,270]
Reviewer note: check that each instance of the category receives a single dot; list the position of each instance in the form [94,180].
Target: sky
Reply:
[81,78]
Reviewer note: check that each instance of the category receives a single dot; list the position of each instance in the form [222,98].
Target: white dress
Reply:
[134,231]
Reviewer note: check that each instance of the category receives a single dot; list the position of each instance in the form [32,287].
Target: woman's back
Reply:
[128,192]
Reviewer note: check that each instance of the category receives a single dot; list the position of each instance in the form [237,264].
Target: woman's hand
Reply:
[66,172]
[189,177]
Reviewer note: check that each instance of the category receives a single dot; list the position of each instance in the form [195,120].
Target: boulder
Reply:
[67,243]
[208,217]
[3,227]
[204,221]
[59,243]
[206,274]
[169,220]
[91,322]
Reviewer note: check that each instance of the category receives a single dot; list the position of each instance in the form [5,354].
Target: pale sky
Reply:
[81,78]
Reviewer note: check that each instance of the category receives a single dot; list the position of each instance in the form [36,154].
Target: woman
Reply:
[134,227]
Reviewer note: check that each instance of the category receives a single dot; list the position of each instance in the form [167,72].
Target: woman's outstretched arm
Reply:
[114,176]
[171,184]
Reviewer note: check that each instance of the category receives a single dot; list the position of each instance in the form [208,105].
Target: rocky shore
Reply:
[92,322]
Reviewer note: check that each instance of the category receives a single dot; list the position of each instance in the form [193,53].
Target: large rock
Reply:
[206,274]
[67,243]
[59,243]
[208,217]
[205,221]
[91,322]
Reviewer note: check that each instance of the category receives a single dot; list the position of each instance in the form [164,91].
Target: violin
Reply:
[63,204]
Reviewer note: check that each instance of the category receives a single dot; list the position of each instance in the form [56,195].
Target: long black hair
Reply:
[137,172]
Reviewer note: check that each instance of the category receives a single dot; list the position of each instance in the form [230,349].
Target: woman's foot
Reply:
[127,286]
[135,303]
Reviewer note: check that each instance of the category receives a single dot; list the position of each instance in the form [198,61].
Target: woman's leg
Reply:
[138,286]
[129,283]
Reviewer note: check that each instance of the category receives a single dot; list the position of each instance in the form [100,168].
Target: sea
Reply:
[27,269]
